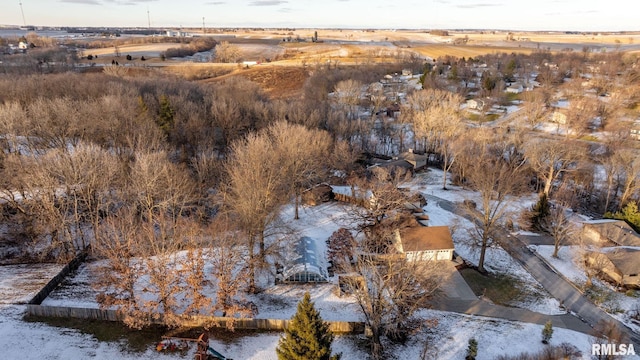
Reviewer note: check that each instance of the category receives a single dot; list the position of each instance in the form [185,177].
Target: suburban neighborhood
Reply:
[213,192]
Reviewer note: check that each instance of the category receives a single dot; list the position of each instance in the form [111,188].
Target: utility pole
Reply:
[148,17]
[24,22]
[203,29]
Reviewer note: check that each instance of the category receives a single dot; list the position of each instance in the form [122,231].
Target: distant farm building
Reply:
[307,264]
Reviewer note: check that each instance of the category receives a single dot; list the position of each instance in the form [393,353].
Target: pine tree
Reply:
[165,115]
[540,211]
[547,332]
[472,349]
[307,337]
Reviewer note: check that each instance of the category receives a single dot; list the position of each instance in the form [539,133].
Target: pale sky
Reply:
[585,15]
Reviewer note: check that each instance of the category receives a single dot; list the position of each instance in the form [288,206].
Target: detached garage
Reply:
[426,243]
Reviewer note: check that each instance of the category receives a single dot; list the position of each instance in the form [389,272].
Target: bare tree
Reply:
[630,163]
[497,180]
[254,192]
[551,159]
[116,280]
[229,259]
[227,53]
[348,93]
[302,156]
[437,119]
[390,290]
[558,226]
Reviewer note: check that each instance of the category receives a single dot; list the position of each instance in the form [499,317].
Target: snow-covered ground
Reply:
[497,260]
[448,340]
[617,304]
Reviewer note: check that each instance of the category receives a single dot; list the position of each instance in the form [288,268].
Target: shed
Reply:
[307,264]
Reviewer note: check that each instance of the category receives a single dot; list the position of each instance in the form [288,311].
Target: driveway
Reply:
[456,287]
[554,283]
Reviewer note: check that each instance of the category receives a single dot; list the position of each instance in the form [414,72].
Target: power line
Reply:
[22,11]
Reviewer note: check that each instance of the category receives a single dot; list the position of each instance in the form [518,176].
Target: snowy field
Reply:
[447,341]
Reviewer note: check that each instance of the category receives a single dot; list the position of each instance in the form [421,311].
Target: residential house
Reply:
[353,195]
[416,160]
[609,232]
[620,265]
[634,132]
[393,110]
[425,243]
[559,117]
[397,166]
[475,104]
[320,193]
[515,88]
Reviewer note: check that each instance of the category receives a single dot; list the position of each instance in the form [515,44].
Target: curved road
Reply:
[554,283]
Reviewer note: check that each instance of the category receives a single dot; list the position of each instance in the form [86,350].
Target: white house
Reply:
[559,117]
[425,243]
[515,88]
[475,104]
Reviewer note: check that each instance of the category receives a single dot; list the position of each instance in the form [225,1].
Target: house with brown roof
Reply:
[620,265]
[416,160]
[425,243]
[610,232]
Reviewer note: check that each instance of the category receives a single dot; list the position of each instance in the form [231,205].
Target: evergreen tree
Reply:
[540,211]
[165,115]
[629,214]
[307,337]
[472,349]
[547,332]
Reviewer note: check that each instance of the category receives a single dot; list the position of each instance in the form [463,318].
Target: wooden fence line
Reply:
[195,321]
[56,280]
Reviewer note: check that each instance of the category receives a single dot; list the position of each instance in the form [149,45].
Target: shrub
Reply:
[472,349]
[547,332]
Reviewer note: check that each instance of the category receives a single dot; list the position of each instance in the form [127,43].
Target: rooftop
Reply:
[425,238]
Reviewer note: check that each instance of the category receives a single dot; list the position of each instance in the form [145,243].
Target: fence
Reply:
[194,321]
[56,280]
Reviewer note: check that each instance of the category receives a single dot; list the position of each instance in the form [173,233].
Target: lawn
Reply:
[500,289]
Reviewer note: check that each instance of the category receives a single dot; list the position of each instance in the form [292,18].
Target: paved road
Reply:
[555,284]
[458,297]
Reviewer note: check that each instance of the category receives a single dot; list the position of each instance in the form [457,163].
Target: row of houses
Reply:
[618,253]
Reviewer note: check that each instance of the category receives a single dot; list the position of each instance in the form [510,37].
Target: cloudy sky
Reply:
[587,15]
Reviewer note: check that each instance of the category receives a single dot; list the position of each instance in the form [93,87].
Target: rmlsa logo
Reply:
[612,349]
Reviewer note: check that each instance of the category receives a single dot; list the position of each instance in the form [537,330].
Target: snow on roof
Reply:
[616,231]
[308,265]
[625,259]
